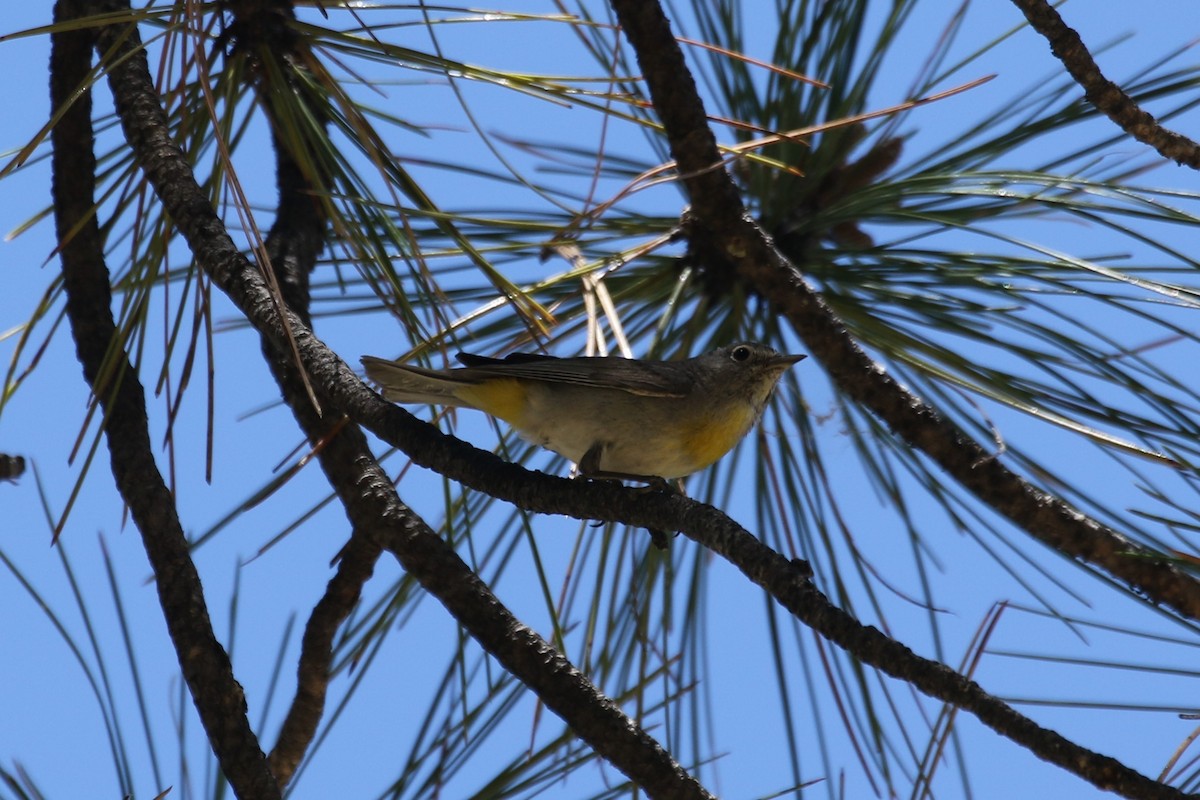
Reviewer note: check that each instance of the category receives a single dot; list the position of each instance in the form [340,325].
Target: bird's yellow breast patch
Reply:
[716,435]
[503,398]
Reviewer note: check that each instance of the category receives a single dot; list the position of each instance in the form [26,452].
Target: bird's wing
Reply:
[602,372]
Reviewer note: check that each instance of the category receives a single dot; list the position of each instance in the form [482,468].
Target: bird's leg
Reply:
[589,467]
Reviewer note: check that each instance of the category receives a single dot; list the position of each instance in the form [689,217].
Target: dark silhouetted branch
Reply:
[718,208]
[205,664]
[1109,98]
[378,513]
[726,226]
[260,33]
[376,510]
[787,581]
[356,564]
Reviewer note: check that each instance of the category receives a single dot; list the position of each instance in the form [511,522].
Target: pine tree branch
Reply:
[377,511]
[259,32]
[1105,95]
[356,564]
[719,210]
[786,581]
[438,567]
[346,460]
[727,227]
[525,654]
[937,680]
[114,382]
[293,244]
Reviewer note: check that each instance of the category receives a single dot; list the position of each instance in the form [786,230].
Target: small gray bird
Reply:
[614,417]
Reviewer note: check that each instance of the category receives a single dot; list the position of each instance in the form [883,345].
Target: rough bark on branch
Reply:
[203,661]
[1109,98]
[719,211]
[718,208]
[377,511]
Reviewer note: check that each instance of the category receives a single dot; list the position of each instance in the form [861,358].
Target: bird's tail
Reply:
[402,383]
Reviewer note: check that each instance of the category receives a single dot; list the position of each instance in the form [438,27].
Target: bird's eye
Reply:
[740,353]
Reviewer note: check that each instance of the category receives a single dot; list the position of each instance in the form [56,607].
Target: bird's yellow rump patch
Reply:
[503,398]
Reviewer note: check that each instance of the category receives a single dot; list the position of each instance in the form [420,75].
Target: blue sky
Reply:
[54,727]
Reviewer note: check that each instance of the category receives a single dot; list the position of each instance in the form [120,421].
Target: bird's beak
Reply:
[783,362]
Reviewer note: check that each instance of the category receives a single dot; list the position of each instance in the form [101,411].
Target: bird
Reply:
[616,418]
